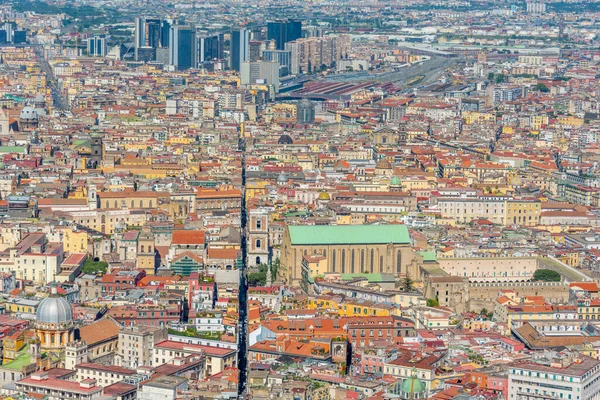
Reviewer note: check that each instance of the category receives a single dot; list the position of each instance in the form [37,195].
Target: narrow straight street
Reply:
[243,305]
[59,100]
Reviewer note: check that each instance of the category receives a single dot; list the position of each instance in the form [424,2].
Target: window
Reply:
[333,252]
[343,264]
[372,260]
[258,244]
[352,262]
[258,224]
[362,260]
[380,264]
[398,262]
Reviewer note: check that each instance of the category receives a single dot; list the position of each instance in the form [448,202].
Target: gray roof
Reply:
[54,310]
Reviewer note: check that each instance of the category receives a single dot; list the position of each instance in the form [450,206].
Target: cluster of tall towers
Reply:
[174,43]
[182,46]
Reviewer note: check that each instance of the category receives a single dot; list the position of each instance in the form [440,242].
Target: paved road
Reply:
[243,292]
[60,102]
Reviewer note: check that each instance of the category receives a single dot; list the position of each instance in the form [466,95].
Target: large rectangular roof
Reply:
[348,234]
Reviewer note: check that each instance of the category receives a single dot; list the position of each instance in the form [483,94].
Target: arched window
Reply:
[115,204]
[141,203]
[380,264]
[142,247]
[258,243]
[257,260]
[372,260]
[399,262]
[333,260]
[324,253]
[343,264]
[352,262]
[132,204]
[362,260]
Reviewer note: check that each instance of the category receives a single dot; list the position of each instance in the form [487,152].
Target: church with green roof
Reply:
[346,249]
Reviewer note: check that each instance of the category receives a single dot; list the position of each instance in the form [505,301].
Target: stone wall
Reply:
[482,294]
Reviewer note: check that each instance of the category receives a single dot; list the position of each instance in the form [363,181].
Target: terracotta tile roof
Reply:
[223,253]
[99,331]
[587,286]
[182,237]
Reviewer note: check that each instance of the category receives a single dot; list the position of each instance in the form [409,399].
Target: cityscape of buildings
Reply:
[318,200]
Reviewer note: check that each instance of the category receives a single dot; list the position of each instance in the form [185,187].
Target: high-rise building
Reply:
[536,7]
[260,72]
[183,51]
[283,57]
[8,27]
[254,50]
[283,32]
[210,48]
[314,53]
[96,46]
[239,49]
[150,33]
[165,31]
[8,34]
[19,37]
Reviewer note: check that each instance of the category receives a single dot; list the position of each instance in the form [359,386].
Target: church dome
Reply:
[28,113]
[395,181]
[413,388]
[324,196]
[285,139]
[383,164]
[54,310]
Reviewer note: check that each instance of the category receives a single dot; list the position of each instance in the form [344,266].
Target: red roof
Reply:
[187,237]
[587,286]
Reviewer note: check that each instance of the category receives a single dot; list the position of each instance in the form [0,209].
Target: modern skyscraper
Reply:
[19,37]
[283,57]
[8,27]
[314,53]
[283,32]
[239,49]
[165,31]
[150,33]
[254,50]
[261,73]
[183,50]
[210,48]
[96,46]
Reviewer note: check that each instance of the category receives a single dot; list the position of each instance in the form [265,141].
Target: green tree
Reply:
[546,275]
[94,267]
[257,279]
[407,283]
[432,303]
[540,87]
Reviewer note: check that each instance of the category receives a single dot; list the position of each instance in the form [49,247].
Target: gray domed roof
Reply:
[54,310]
[285,139]
[28,112]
